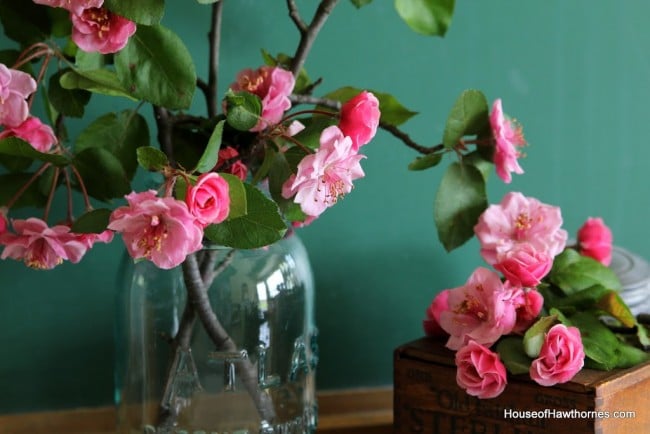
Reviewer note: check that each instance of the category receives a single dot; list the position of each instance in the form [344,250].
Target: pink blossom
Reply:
[431,323]
[519,219]
[561,356]
[272,85]
[595,240]
[306,222]
[480,371]
[3,220]
[98,29]
[529,304]
[326,175]
[34,132]
[294,128]
[239,169]
[161,230]
[90,239]
[209,201]
[523,265]
[40,246]
[360,118]
[482,310]
[15,87]
[508,137]
[74,6]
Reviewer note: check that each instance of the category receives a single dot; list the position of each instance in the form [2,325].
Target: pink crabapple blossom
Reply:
[595,240]
[360,118]
[326,175]
[272,85]
[40,246]
[34,132]
[208,200]
[480,371]
[529,304]
[508,137]
[482,310]
[561,356]
[523,265]
[431,324]
[519,219]
[15,87]
[98,29]
[161,230]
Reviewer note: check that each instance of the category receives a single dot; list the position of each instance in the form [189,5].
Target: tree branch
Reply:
[308,99]
[309,35]
[295,16]
[213,62]
[396,132]
[164,124]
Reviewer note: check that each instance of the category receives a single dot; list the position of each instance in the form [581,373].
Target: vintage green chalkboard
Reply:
[575,74]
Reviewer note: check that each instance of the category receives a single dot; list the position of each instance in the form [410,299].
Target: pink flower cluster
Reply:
[519,237]
[95,28]
[272,85]
[15,88]
[165,230]
[326,175]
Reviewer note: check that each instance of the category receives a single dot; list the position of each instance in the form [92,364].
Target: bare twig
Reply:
[308,36]
[308,99]
[213,62]
[295,16]
[396,132]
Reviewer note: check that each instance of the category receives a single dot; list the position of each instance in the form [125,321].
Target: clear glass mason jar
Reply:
[258,375]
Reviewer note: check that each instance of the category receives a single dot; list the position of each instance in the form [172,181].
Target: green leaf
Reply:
[476,159]
[243,110]
[69,102]
[425,162]
[534,336]
[360,3]
[12,182]
[152,159]
[207,2]
[460,200]
[511,352]
[61,23]
[211,154]
[85,61]
[428,17]
[237,193]
[573,272]
[9,57]
[15,164]
[584,299]
[24,21]
[147,12]
[262,225]
[314,126]
[120,133]
[392,111]
[19,148]
[157,67]
[100,81]
[102,173]
[92,222]
[279,172]
[468,116]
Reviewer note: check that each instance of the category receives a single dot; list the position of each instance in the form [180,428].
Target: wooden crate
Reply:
[427,399]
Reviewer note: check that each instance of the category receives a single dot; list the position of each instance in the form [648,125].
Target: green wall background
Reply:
[575,74]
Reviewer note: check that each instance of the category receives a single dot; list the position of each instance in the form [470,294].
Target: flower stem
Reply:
[29,182]
[50,196]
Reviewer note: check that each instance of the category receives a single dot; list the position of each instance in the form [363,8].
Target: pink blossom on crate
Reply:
[519,219]
[326,175]
[595,240]
[431,323]
[523,265]
[482,310]
[272,85]
[508,137]
[34,132]
[15,87]
[74,6]
[40,246]
[560,358]
[208,200]
[480,371]
[529,304]
[98,29]
[161,230]
[360,118]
